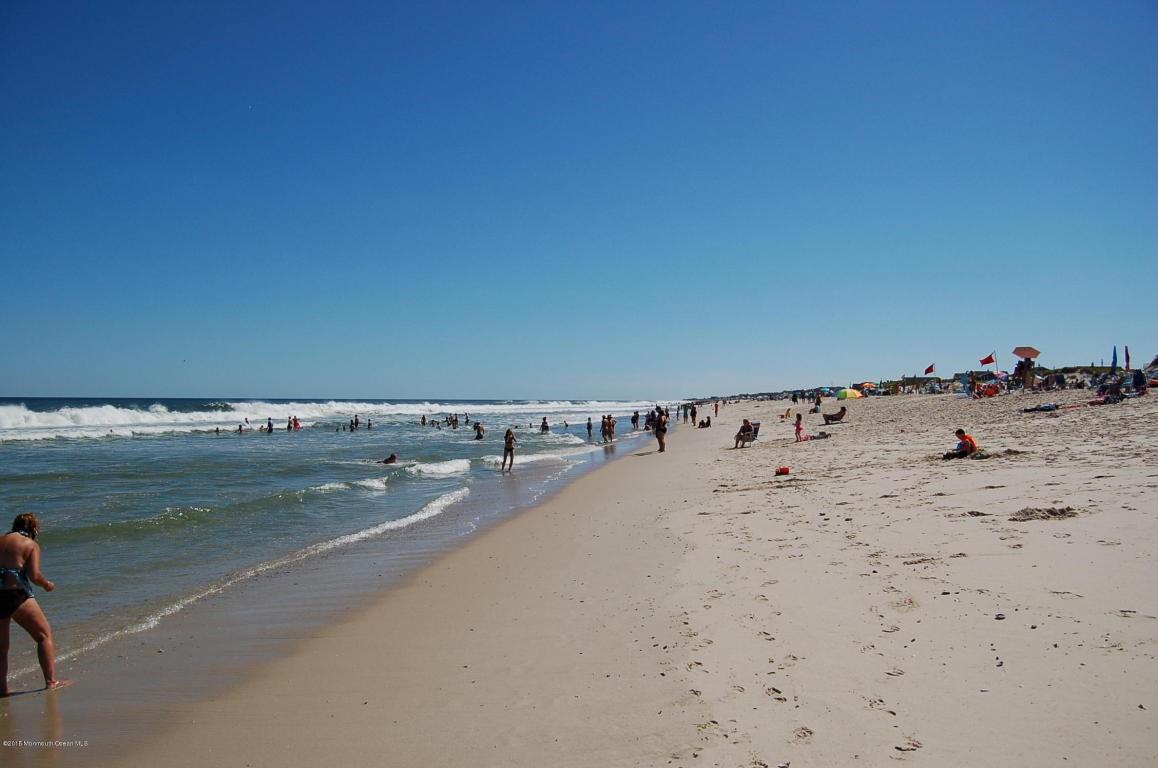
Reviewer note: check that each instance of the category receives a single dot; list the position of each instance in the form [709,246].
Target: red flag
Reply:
[988,359]
[930,369]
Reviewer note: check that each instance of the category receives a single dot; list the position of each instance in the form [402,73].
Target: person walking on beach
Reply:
[19,569]
[508,450]
[661,429]
[588,427]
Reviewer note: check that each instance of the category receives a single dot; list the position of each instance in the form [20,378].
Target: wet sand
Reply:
[876,605]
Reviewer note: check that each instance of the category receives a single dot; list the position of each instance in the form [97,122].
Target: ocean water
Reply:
[147,510]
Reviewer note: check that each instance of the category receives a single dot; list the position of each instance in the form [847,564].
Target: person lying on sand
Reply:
[835,418]
[966,446]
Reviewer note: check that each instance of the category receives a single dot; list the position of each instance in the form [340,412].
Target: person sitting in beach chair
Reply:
[966,446]
[835,418]
[746,434]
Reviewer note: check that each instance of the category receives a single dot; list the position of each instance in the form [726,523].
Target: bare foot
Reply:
[54,684]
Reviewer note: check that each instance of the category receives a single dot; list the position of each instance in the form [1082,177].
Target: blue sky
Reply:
[368,199]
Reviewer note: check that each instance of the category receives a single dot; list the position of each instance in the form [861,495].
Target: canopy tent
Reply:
[848,394]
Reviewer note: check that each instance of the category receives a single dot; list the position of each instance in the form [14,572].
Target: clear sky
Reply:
[372,199]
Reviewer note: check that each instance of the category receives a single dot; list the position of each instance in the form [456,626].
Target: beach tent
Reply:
[848,394]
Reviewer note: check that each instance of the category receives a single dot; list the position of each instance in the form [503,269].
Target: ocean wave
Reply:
[371,484]
[562,437]
[427,511]
[496,460]
[328,487]
[18,422]
[440,468]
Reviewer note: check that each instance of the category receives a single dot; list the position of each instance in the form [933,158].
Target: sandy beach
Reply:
[875,605]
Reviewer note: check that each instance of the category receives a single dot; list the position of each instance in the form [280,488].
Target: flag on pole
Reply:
[988,359]
[930,369]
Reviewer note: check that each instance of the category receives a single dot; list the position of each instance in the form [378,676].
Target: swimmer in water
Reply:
[391,459]
[479,430]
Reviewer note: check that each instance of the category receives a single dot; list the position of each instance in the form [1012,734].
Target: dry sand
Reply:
[875,605]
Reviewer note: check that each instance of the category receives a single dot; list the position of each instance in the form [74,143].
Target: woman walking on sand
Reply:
[508,450]
[19,569]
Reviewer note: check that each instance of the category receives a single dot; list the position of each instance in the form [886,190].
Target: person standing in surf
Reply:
[19,569]
[508,450]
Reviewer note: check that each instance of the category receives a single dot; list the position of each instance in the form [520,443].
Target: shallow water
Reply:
[147,510]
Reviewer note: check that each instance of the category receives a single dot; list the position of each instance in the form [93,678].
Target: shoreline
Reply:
[875,605]
[211,645]
[480,599]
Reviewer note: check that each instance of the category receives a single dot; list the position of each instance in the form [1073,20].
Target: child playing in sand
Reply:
[966,446]
[801,437]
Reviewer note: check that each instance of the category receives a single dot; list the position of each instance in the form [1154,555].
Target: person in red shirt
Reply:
[966,446]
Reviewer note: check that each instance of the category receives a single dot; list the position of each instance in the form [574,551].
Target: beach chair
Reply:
[835,418]
[744,440]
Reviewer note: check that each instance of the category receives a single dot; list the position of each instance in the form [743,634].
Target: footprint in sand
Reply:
[894,672]
[910,745]
[878,704]
[802,735]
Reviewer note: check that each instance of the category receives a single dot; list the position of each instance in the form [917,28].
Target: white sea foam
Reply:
[440,468]
[496,460]
[17,422]
[563,437]
[429,510]
[327,487]
[371,484]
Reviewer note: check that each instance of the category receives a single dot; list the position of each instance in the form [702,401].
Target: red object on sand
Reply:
[782,470]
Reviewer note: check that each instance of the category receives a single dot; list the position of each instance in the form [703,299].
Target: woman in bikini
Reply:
[19,569]
[508,450]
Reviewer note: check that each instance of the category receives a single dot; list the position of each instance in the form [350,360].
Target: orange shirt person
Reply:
[966,446]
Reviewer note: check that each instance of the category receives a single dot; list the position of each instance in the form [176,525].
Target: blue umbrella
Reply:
[1114,360]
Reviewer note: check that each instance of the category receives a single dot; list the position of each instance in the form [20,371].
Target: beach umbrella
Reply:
[867,385]
[1024,352]
[848,394]
[1114,360]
